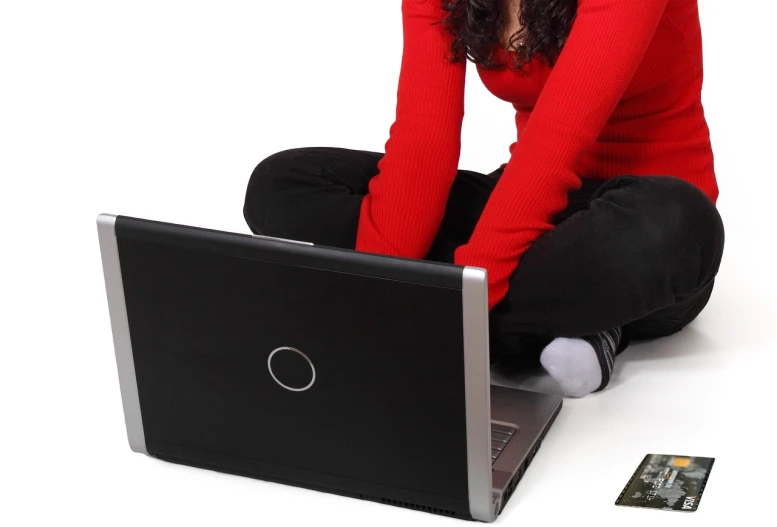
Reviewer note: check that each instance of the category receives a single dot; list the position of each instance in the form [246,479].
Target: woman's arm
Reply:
[603,50]
[403,210]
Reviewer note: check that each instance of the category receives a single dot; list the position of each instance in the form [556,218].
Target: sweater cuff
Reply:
[498,273]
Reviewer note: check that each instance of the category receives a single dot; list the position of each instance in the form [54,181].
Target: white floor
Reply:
[706,391]
[160,109]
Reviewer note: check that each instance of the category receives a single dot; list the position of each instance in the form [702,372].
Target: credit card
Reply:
[673,483]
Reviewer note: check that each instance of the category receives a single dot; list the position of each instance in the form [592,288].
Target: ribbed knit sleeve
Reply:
[404,207]
[606,44]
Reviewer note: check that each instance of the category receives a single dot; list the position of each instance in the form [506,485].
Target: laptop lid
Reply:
[325,368]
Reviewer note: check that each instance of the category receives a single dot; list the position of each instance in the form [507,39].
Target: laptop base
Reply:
[533,413]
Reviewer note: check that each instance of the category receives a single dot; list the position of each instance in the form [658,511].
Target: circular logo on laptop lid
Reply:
[291,369]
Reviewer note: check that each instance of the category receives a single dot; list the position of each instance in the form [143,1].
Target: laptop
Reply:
[341,371]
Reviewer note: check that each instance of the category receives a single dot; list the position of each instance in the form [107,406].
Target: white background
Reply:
[162,109]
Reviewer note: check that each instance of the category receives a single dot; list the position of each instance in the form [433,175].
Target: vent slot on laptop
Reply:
[413,506]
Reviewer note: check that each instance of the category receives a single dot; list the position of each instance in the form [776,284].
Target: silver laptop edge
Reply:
[477,390]
[477,379]
[121,336]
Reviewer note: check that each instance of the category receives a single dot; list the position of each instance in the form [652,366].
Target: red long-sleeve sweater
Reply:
[624,97]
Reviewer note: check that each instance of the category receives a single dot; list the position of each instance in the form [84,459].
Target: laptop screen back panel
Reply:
[363,394]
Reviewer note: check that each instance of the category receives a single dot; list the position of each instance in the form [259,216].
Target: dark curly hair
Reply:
[478,25]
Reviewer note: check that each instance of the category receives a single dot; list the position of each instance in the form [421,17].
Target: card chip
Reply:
[681,462]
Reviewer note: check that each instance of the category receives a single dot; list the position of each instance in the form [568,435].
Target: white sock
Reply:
[573,364]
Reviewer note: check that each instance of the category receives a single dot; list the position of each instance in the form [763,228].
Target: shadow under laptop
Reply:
[511,374]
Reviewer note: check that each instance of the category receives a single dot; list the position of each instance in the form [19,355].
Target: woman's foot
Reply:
[582,365]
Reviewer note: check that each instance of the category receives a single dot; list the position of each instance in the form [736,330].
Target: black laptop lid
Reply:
[384,417]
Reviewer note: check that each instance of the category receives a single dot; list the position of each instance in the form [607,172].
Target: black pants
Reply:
[639,252]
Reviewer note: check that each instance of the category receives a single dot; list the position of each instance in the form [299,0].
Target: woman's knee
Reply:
[674,222]
[671,212]
[687,217]
[311,193]
[263,186]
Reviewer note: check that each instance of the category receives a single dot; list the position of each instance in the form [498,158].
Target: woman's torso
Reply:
[658,127]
